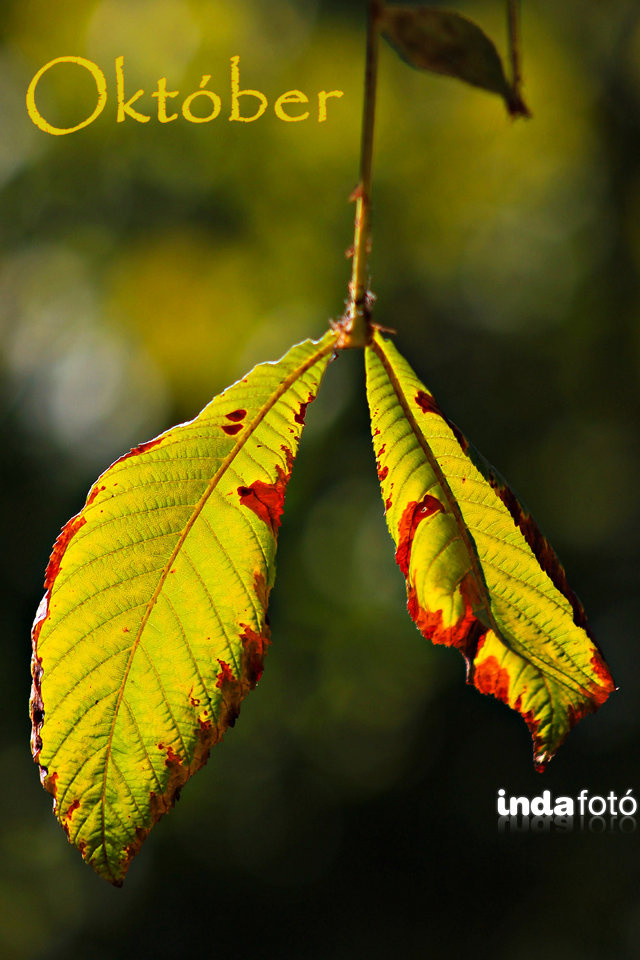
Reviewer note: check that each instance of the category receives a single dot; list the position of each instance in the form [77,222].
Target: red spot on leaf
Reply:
[540,755]
[600,692]
[413,514]
[382,450]
[231,713]
[36,705]
[172,757]
[576,713]
[51,784]
[267,499]
[383,473]
[65,537]
[427,404]
[72,809]
[464,634]
[141,448]
[480,645]
[260,588]
[225,675]
[255,648]
[232,428]
[489,677]
[387,504]
[93,493]
[289,458]
[236,415]
[53,568]
[302,412]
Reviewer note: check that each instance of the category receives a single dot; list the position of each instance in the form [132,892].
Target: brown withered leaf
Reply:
[445,42]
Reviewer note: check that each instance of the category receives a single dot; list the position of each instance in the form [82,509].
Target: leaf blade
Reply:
[153,625]
[479,574]
[450,44]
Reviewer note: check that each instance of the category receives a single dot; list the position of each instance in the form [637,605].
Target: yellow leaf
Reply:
[480,576]
[153,625]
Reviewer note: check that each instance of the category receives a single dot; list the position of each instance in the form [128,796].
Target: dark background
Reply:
[351,812]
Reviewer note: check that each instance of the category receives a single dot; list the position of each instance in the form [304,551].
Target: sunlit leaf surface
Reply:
[480,576]
[153,625]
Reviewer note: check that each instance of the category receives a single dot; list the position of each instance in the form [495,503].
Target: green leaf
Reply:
[480,576]
[445,42]
[153,625]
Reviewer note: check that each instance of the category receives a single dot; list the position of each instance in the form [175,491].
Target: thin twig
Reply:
[358,329]
[513,22]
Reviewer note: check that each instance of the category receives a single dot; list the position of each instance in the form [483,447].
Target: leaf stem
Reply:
[513,26]
[357,318]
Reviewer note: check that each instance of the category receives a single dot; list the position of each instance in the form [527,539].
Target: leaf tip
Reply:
[541,761]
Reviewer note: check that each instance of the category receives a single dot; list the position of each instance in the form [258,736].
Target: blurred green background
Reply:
[351,812]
